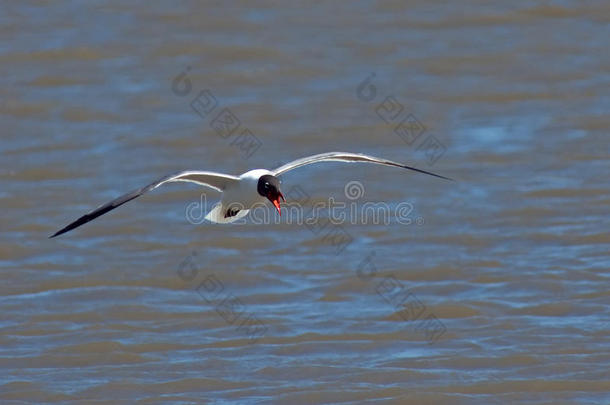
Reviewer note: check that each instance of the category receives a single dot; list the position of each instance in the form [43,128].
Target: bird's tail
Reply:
[218,215]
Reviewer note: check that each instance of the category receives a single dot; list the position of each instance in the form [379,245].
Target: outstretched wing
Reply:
[217,181]
[346,157]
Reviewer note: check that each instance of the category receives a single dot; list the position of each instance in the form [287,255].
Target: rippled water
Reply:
[496,292]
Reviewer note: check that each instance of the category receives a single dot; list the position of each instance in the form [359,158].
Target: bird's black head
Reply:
[269,186]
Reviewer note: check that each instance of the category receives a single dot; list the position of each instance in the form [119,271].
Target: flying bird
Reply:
[239,193]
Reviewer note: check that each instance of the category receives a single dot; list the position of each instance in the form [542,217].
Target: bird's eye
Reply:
[266,185]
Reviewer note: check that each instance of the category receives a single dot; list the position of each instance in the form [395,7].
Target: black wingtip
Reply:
[61,231]
[429,173]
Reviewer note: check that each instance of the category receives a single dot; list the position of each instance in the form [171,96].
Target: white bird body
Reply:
[245,191]
[239,194]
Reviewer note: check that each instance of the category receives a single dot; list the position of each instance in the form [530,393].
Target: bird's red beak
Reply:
[276,202]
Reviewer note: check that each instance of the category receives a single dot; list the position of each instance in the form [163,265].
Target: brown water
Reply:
[496,292]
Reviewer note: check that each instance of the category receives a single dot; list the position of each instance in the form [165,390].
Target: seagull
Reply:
[239,193]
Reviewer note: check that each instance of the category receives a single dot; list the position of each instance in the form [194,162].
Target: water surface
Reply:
[496,292]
